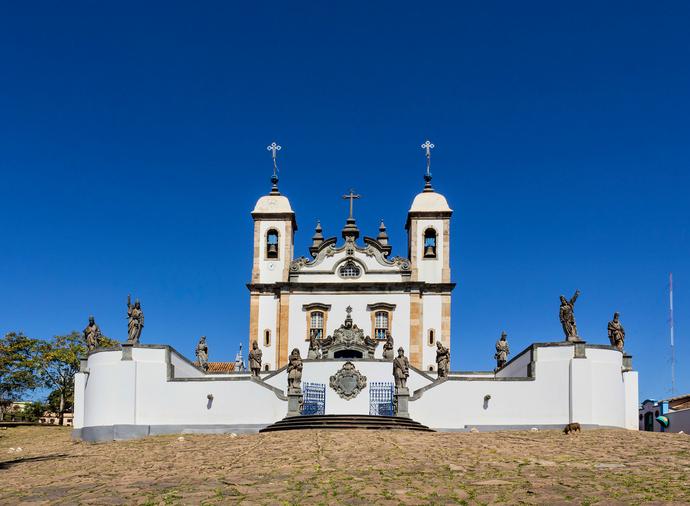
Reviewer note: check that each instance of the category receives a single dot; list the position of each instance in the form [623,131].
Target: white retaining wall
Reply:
[159,391]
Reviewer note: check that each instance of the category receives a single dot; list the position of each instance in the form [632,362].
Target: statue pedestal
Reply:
[402,396]
[627,362]
[294,402]
[580,349]
[127,350]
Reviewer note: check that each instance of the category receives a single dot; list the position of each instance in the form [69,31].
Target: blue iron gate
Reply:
[381,398]
[314,395]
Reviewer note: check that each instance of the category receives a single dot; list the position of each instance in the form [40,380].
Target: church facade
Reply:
[293,300]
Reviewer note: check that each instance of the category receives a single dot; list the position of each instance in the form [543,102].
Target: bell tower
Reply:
[428,232]
[274,232]
[428,248]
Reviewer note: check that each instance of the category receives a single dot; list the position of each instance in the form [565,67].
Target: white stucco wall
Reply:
[139,392]
[589,390]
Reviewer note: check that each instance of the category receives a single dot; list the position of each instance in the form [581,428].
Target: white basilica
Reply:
[292,300]
[327,327]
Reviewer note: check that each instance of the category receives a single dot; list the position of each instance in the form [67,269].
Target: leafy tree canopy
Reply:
[17,365]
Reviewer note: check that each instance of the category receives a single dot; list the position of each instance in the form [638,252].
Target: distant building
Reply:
[676,411]
[49,418]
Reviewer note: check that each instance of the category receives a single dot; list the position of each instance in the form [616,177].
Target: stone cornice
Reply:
[276,216]
[372,286]
[426,214]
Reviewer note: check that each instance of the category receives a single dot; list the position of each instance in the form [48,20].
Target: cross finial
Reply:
[274,148]
[428,146]
[351,196]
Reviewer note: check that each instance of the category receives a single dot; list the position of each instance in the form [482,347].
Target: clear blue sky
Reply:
[133,148]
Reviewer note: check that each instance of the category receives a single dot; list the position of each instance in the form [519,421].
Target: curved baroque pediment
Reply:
[329,256]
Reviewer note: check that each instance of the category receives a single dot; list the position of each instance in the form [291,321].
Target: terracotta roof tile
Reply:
[219,367]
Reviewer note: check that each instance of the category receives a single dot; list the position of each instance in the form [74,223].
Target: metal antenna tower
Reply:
[673,347]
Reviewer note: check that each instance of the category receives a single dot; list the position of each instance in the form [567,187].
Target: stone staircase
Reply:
[346,422]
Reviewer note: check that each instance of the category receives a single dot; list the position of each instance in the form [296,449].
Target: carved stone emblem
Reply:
[348,381]
[349,337]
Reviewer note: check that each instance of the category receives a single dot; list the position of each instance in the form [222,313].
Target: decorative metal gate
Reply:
[314,398]
[381,398]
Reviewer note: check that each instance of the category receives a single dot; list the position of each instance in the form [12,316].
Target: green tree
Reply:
[53,403]
[17,362]
[57,363]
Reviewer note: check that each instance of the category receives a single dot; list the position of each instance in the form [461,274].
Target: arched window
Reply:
[316,324]
[266,367]
[267,337]
[430,243]
[349,270]
[432,337]
[272,244]
[380,324]
[431,368]
[649,421]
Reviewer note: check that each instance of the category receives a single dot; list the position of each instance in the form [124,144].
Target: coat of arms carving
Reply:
[348,381]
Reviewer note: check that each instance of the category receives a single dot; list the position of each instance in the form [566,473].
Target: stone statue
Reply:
[136,321]
[442,360]
[294,371]
[255,359]
[567,317]
[314,347]
[202,353]
[92,334]
[401,369]
[388,353]
[502,351]
[616,332]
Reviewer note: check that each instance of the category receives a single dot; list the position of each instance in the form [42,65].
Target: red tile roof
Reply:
[219,367]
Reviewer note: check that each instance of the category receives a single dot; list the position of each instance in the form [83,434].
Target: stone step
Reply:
[369,422]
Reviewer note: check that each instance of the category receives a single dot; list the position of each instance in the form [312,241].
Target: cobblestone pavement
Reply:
[347,467]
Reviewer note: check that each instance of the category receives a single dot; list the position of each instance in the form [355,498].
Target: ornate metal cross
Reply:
[428,146]
[352,196]
[274,148]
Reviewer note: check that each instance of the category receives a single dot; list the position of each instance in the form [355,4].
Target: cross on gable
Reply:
[351,196]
